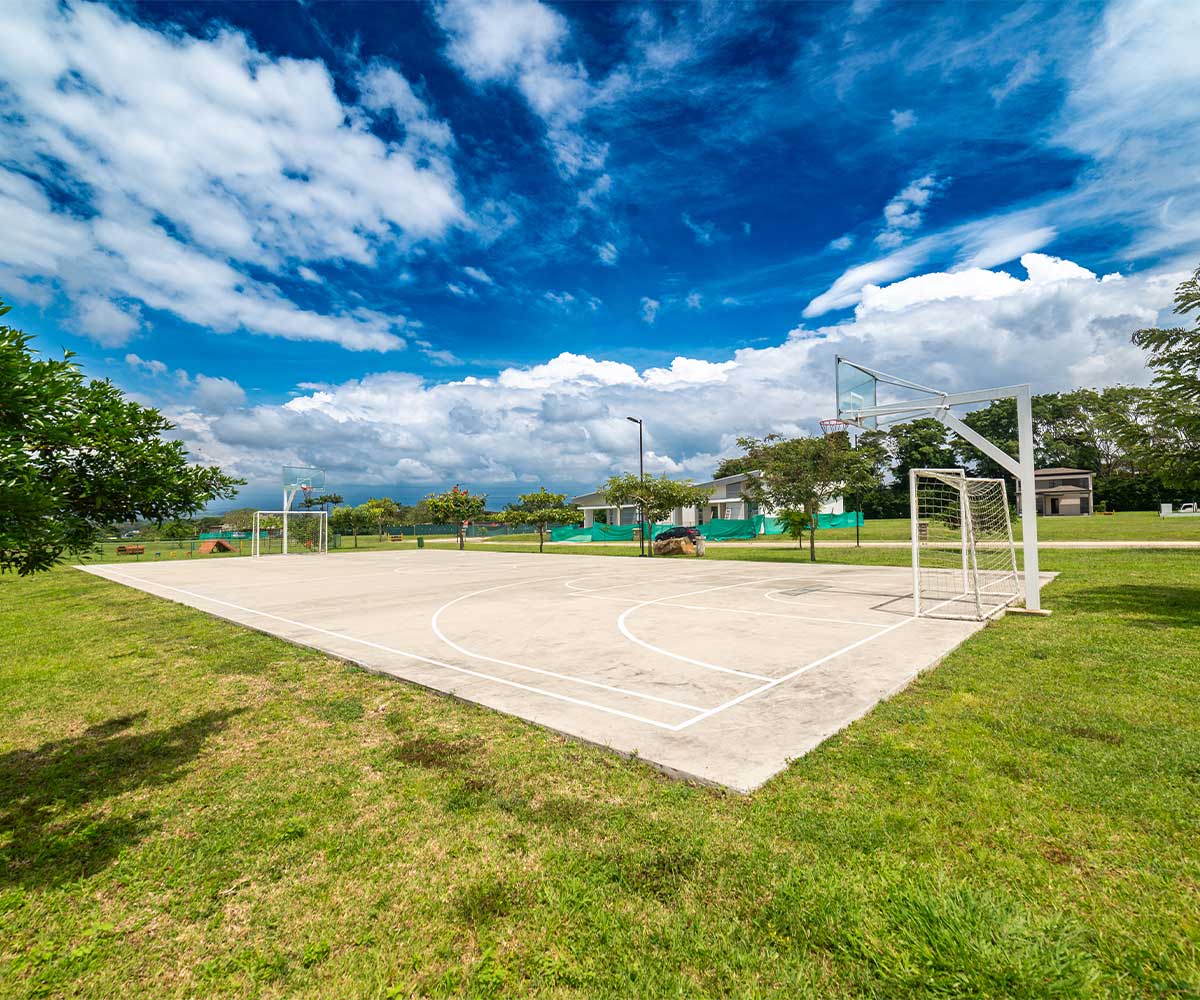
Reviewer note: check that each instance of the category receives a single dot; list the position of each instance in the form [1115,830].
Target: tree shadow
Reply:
[1145,604]
[54,824]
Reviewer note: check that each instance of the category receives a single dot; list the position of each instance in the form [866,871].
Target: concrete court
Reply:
[717,671]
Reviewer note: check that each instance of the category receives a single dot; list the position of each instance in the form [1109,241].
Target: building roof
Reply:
[596,498]
[1059,470]
[1065,489]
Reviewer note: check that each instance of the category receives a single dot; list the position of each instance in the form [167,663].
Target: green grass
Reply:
[1123,526]
[191,809]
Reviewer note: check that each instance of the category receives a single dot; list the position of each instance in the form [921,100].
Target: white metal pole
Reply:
[1033,592]
[287,506]
[964,512]
[916,542]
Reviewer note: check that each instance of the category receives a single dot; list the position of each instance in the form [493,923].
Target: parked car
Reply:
[681,531]
[1188,508]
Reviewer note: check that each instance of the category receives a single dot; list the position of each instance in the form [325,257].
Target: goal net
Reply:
[290,532]
[964,560]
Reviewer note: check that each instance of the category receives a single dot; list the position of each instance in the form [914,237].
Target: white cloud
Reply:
[198,157]
[384,89]
[478,274]
[105,321]
[308,274]
[904,212]
[902,120]
[520,42]
[846,290]
[563,300]
[844,242]
[217,395]
[1023,72]
[149,365]
[608,254]
[694,300]
[649,309]
[706,233]
[1058,327]
[458,290]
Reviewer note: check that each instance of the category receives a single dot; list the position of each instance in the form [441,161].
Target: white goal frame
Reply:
[322,529]
[863,410]
[985,580]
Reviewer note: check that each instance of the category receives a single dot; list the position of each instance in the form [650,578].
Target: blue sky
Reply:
[460,242]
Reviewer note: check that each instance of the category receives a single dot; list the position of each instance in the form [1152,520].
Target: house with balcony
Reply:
[1061,492]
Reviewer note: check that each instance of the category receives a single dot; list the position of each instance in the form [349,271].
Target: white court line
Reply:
[738,611]
[624,629]
[787,677]
[433,623]
[403,652]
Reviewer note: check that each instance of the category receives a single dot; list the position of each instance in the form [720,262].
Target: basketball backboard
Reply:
[296,477]
[857,388]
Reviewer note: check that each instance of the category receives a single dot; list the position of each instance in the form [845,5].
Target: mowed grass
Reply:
[191,809]
[1122,526]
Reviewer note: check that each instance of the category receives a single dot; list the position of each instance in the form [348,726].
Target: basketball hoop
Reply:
[833,426]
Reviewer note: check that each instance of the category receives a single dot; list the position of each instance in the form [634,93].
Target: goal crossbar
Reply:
[963,557]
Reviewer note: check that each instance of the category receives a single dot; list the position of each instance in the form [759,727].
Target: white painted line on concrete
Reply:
[403,652]
[624,629]
[433,623]
[737,611]
[787,677]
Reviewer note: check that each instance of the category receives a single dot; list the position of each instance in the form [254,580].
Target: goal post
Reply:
[858,403]
[964,557]
[299,531]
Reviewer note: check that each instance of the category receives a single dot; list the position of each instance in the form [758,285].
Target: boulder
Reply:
[674,547]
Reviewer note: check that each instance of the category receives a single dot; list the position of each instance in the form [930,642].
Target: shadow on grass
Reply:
[1157,604]
[54,824]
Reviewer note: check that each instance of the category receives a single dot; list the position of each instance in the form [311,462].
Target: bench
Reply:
[396,538]
[131,550]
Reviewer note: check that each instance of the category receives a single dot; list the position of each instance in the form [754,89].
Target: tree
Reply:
[1170,438]
[656,498]
[382,512]
[803,473]
[241,519]
[325,501]
[733,466]
[456,506]
[923,443]
[541,509]
[351,521]
[76,456]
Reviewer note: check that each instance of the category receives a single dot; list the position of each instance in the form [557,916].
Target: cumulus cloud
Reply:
[1055,324]
[902,120]
[955,329]
[105,321]
[649,309]
[521,43]
[844,242]
[187,160]
[217,394]
[144,364]
[694,300]
[904,212]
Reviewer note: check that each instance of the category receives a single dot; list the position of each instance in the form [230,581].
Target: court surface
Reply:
[718,671]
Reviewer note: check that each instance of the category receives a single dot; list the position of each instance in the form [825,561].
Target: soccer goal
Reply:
[964,559]
[289,532]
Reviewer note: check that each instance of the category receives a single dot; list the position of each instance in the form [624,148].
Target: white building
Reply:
[726,501]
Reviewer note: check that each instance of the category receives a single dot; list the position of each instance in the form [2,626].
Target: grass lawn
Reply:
[1124,526]
[191,809]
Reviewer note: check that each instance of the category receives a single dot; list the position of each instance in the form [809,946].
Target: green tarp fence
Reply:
[718,529]
[228,535]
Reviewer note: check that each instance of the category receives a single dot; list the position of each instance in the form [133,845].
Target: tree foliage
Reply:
[542,509]
[456,506]
[655,496]
[800,474]
[1169,438]
[77,456]
[382,511]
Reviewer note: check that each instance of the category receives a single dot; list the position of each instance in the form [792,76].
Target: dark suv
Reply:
[681,531]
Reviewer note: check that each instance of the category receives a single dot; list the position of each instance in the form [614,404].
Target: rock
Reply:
[674,547]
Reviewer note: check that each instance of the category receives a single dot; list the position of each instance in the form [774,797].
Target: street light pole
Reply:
[642,479]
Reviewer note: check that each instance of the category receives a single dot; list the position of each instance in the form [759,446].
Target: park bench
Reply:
[396,538]
[131,550]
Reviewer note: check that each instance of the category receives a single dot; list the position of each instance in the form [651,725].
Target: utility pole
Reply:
[642,479]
